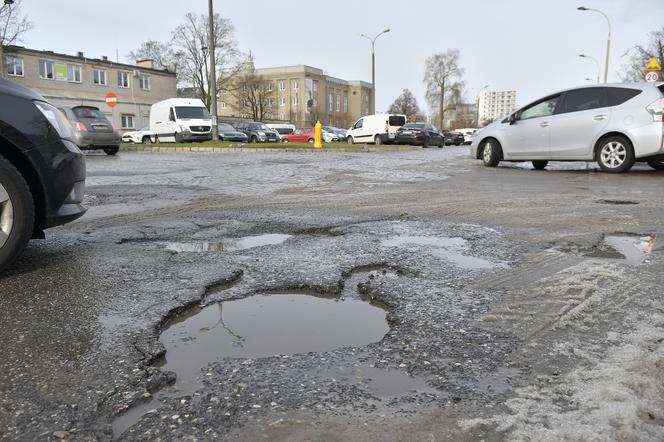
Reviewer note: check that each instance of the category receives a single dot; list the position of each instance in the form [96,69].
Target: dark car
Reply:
[42,171]
[229,133]
[420,134]
[455,138]
[92,130]
[258,132]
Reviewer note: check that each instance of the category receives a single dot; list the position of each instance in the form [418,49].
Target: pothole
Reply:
[228,244]
[449,249]
[619,202]
[633,250]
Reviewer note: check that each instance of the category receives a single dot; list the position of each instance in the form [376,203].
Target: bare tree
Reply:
[444,81]
[13,25]
[634,69]
[161,53]
[188,42]
[405,104]
[252,94]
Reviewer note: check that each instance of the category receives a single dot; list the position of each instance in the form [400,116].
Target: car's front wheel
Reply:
[111,150]
[540,164]
[615,154]
[656,164]
[146,140]
[253,139]
[349,140]
[17,213]
[492,153]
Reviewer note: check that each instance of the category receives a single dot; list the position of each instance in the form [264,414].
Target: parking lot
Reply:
[427,298]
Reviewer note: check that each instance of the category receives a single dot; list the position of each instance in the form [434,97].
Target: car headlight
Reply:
[262,134]
[55,117]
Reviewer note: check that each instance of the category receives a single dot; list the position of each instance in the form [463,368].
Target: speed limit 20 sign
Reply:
[653,76]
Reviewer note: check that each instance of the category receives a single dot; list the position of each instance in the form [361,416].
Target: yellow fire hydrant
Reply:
[318,135]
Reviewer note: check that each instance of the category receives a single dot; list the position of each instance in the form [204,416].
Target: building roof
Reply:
[302,68]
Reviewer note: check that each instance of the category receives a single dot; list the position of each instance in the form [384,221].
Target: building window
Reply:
[296,100]
[282,101]
[144,82]
[99,77]
[282,116]
[296,84]
[345,103]
[123,79]
[46,70]
[223,105]
[127,121]
[14,66]
[269,87]
[282,85]
[74,73]
[338,103]
[330,103]
[270,101]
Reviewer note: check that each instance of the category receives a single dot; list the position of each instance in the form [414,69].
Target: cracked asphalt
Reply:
[504,321]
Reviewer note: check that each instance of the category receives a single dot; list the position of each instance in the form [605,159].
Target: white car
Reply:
[138,136]
[613,124]
[467,134]
[376,129]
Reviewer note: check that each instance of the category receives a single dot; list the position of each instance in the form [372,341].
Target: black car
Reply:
[258,132]
[455,138]
[228,133]
[421,134]
[42,171]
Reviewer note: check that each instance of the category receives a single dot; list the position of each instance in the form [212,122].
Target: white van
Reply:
[180,119]
[282,129]
[376,129]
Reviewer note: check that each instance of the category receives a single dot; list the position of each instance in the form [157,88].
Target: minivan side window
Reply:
[542,108]
[358,124]
[619,95]
[584,99]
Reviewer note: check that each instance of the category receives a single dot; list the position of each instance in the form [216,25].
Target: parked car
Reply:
[229,133]
[613,124]
[376,129]
[92,130]
[329,134]
[342,134]
[180,120]
[467,134]
[258,132]
[143,136]
[420,134]
[42,170]
[282,129]
[302,135]
[451,137]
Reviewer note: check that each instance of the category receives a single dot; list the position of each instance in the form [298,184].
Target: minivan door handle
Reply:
[545,124]
[600,117]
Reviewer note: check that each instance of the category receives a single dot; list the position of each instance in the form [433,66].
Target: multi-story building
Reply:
[462,115]
[70,80]
[303,94]
[495,104]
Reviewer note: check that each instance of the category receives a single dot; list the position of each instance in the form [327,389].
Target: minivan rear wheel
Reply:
[378,140]
[17,213]
[656,164]
[111,150]
[492,152]
[615,154]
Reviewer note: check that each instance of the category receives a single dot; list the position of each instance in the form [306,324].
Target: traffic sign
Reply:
[653,65]
[653,76]
[111,99]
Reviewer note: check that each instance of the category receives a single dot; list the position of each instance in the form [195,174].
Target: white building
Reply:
[496,104]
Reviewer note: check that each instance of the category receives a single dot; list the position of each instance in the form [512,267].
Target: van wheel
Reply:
[492,153]
[111,150]
[146,140]
[349,140]
[17,213]
[540,164]
[378,140]
[656,164]
[615,154]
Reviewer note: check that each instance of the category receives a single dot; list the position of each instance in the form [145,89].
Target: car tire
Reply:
[425,143]
[156,139]
[615,154]
[540,164]
[349,140]
[111,150]
[656,164]
[146,140]
[491,152]
[378,140]
[310,140]
[285,141]
[253,139]
[17,213]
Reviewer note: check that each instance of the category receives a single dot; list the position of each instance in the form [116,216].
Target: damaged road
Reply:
[345,296]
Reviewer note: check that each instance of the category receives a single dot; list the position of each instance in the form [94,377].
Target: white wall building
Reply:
[496,104]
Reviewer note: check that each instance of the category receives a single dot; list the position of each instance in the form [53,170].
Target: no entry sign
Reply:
[111,99]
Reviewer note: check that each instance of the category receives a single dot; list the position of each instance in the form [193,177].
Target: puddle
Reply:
[229,244]
[381,382]
[449,249]
[632,250]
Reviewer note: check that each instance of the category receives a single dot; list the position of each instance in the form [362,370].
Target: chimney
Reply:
[79,54]
[105,58]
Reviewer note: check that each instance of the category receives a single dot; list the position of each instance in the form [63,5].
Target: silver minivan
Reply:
[613,124]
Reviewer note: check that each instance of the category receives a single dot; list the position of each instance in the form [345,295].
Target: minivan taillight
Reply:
[656,109]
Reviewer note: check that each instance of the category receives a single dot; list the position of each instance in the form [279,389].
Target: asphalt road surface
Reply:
[411,295]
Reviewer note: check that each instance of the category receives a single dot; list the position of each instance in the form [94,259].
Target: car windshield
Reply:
[87,112]
[224,126]
[192,113]
[260,126]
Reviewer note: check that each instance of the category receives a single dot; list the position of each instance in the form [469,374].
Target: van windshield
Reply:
[397,120]
[191,113]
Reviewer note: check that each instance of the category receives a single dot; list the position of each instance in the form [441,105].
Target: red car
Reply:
[304,135]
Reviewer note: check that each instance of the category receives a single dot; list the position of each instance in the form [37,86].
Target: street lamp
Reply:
[373,67]
[596,62]
[608,41]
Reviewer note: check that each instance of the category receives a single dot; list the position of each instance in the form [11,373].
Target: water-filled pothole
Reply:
[449,249]
[228,244]
[633,250]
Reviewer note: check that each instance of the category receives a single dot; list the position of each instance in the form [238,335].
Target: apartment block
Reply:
[71,80]
[496,104]
[303,95]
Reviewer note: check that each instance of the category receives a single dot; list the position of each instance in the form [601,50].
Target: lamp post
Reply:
[213,72]
[373,67]
[7,3]
[608,40]
[596,63]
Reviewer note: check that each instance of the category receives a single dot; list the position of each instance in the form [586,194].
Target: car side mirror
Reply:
[513,118]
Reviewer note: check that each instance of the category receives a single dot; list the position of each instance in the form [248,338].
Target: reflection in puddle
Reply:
[631,249]
[450,249]
[229,244]
[381,382]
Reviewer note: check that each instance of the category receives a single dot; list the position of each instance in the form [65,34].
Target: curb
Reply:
[231,149]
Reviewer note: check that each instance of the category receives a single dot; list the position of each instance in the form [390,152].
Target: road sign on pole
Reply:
[111,99]
[653,71]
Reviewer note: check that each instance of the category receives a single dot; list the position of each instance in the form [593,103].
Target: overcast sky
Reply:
[531,46]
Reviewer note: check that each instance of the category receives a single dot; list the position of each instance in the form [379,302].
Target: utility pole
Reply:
[213,72]
[8,4]
[373,67]
[608,40]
